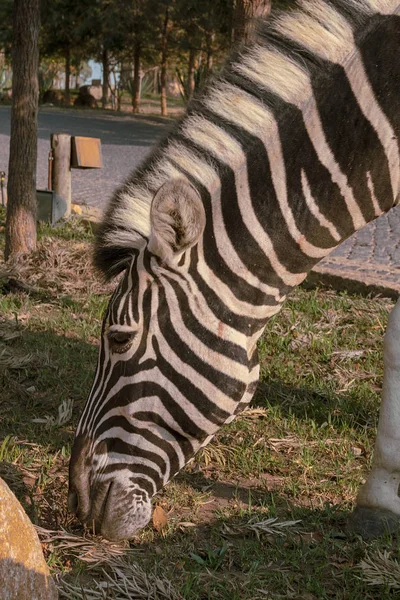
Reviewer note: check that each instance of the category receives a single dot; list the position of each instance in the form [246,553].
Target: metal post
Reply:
[61,171]
[50,171]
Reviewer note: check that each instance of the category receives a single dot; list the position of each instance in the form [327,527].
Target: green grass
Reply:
[301,454]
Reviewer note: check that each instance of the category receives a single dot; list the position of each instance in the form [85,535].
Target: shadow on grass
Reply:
[344,411]
[57,368]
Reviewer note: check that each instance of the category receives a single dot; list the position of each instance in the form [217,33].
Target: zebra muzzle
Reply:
[79,480]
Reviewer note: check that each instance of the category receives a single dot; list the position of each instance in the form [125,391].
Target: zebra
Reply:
[291,149]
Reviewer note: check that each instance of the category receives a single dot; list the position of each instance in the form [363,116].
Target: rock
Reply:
[85,98]
[96,91]
[55,97]
[24,574]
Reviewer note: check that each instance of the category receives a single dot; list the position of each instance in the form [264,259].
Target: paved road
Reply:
[125,142]
[370,260]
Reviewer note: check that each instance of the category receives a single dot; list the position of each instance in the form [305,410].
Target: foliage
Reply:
[199,37]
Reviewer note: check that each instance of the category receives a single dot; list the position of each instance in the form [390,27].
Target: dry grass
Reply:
[59,267]
[380,569]
[90,549]
[258,528]
[120,580]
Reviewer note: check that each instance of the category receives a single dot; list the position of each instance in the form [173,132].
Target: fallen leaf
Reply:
[159,518]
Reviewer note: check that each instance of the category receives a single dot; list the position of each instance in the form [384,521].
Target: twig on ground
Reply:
[121,581]
[254,527]
[381,569]
[91,550]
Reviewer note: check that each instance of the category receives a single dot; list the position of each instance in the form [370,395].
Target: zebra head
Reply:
[163,384]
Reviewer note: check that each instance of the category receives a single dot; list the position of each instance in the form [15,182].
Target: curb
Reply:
[356,278]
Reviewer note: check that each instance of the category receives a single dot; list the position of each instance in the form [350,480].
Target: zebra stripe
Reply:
[287,153]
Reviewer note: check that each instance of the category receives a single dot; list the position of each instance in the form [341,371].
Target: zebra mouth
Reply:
[98,503]
[73,502]
[101,496]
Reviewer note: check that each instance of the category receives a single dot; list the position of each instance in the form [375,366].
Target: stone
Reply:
[24,574]
[55,97]
[96,90]
[85,98]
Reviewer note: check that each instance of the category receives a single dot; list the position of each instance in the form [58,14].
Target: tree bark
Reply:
[210,52]
[67,97]
[136,78]
[21,208]
[106,77]
[191,84]
[246,11]
[164,59]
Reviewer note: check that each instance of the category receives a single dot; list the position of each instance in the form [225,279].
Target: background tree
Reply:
[164,52]
[21,208]
[245,14]
[63,35]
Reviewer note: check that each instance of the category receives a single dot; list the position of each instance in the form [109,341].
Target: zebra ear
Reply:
[177,219]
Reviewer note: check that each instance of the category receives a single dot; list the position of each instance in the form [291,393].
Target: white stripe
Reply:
[278,171]
[134,440]
[124,478]
[241,109]
[370,183]
[199,306]
[200,382]
[208,177]
[314,210]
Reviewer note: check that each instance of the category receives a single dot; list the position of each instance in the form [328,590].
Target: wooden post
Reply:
[61,175]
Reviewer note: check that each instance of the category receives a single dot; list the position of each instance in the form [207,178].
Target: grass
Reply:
[260,513]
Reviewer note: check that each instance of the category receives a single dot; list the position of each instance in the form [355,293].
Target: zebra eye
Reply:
[120,341]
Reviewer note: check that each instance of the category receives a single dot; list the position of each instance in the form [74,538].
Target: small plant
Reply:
[211,559]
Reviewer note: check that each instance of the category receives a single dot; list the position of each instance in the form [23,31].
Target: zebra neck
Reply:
[293,149]
[293,176]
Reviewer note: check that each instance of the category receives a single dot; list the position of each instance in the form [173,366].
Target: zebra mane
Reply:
[287,50]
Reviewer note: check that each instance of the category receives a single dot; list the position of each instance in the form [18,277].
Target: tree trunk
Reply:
[136,78]
[210,52]
[106,77]
[246,11]
[155,80]
[164,58]
[21,208]
[67,75]
[191,84]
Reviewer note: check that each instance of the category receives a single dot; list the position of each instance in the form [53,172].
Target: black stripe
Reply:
[210,339]
[196,396]
[133,392]
[227,385]
[352,138]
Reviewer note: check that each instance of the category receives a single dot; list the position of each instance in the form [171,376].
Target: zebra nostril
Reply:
[73,501]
